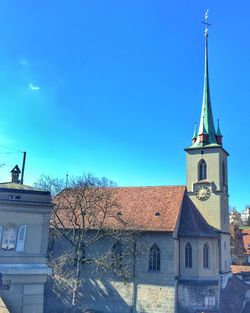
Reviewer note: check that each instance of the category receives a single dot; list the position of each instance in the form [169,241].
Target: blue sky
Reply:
[114,87]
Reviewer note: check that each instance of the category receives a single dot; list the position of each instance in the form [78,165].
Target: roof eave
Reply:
[206,147]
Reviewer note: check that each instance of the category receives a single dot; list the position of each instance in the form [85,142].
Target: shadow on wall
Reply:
[96,297]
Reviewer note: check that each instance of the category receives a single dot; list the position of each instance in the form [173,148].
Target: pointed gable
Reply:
[192,223]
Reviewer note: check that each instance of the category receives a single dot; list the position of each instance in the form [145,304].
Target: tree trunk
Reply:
[77,274]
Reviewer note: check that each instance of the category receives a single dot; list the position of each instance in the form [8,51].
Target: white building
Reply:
[24,226]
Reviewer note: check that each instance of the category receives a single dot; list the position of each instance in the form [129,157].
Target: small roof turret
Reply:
[15,172]
[218,133]
[195,131]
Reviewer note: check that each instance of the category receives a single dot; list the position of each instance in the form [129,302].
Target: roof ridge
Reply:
[151,186]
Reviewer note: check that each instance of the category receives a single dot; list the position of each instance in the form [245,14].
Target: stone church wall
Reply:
[195,298]
[147,292]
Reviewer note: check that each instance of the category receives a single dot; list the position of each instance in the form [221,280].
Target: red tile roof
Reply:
[237,269]
[246,240]
[151,208]
[144,208]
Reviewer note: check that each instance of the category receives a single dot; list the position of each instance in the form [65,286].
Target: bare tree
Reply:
[85,213]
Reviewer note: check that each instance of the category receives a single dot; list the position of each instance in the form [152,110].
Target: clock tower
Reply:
[207,174]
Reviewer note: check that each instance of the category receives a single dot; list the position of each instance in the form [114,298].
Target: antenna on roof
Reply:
[23,166]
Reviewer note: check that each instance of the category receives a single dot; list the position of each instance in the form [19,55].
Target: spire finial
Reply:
[194,138]
[205,22]
[218,133]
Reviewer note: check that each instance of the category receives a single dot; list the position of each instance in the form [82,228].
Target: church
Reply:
[186,264]
[185,230]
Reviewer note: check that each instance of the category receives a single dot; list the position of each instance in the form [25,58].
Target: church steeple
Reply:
[206,133]
[207,171]
[194,138]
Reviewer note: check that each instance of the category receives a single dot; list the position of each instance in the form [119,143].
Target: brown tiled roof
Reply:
[246,240]
[237,269]
[144,208]
[158,208]
[151,208]
[192,223]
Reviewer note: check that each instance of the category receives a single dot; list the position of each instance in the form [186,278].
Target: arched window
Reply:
[117,254]
[21,238]
[154,258]
[205,255]
[9,237]
[202,170]
[188,255]
[223,173]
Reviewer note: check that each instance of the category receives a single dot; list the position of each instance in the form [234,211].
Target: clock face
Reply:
[203,192]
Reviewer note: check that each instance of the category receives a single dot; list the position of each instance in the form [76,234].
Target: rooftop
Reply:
[246,240]
[238,269]
[157,208]
[16,187]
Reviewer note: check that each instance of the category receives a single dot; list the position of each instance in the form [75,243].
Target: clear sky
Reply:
[114,87]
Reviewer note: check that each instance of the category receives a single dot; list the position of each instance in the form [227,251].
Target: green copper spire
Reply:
[206,121]
[218,133]
[202,128]
[195,131]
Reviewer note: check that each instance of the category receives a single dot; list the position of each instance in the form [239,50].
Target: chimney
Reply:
[15,175]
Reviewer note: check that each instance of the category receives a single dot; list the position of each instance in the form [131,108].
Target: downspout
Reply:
[133,309]
[220,270]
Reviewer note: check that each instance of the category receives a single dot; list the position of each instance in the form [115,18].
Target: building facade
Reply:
[245,215]
[24,228]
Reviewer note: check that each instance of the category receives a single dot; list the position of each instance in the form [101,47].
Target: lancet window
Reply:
[188,255]
[202,170]
[205,255]
[154,258]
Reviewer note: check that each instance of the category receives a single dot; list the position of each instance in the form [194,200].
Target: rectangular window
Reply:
[209,300]
[9,237]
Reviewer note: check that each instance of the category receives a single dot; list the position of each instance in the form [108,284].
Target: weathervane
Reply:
[205,22]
